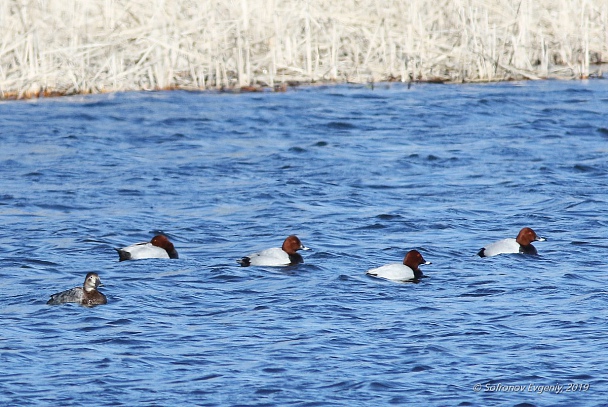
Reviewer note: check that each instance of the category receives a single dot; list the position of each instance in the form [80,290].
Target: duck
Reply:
[158,248]
[86,295]
[409,270]
[277,256]
[521,244]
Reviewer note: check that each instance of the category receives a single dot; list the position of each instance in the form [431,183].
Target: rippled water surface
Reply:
[361,175]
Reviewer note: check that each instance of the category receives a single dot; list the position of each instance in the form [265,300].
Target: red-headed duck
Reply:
[407,271]
[521,244]
[86,295]
[277,257]
[158,248]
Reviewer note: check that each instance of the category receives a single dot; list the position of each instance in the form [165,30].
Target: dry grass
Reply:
[86,46]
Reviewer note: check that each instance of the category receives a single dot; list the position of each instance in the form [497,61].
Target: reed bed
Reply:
[61,47]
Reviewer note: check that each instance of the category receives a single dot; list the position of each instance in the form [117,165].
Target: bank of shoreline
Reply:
[53,48]
[283,87]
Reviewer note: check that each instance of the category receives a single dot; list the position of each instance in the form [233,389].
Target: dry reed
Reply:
[86,46]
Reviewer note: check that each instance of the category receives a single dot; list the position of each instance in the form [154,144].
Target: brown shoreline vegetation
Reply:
[57,47]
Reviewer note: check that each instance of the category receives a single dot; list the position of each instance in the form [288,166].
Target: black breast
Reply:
[529,249]
[295,258]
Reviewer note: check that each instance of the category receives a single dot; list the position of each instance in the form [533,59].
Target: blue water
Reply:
[361,175]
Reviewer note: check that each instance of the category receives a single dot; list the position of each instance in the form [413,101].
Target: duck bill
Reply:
[304,248]
[541,239]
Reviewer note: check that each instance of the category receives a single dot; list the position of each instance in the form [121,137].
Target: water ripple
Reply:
[361,175]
